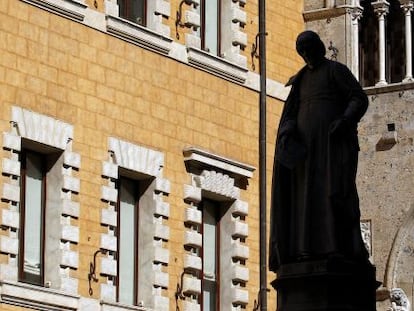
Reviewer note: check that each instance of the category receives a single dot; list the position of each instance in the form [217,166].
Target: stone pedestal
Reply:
[328,285]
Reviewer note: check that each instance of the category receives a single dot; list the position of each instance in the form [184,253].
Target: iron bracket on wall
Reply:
[92,271]
[254,52]
[178,19]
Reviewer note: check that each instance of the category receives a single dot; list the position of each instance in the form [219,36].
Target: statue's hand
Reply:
[287,128]
[339,127]
[283,141]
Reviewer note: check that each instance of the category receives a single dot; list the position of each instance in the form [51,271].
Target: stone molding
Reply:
[110,306]
[401,253]
[328,13]
[154,231]
[137,34]
[72,9]
[41,128]
[217,65]
[196,159]
[35,297]
[215,177]
[49,131]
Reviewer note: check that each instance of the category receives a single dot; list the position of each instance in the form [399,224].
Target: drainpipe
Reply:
[262,156]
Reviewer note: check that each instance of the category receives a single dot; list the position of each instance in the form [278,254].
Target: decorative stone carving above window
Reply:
[218,183]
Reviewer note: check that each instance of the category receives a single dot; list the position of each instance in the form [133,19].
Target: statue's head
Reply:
[310,46]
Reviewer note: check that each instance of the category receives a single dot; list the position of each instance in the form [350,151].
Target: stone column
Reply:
[407,6]
[381,8]
[356,14]
[330,3]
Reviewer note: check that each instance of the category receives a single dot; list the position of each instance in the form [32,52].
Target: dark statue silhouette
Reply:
[315,207]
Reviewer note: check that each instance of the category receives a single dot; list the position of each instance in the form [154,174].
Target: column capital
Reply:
[407,5]
[355,12]
[381,7]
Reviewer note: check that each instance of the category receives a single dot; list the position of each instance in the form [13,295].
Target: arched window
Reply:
[369,44]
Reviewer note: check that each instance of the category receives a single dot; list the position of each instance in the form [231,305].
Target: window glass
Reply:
[210,255]
[209,30]
[133,10]
[211,35]
[33,214]
[127,241]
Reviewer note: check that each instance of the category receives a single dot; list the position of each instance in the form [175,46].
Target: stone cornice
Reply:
[328,13]
[200,159]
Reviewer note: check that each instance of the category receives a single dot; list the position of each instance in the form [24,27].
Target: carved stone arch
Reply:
[401,260]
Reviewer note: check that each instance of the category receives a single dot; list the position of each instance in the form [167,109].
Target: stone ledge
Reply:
[72,9]
[116,306]
[328,13]
[216,65]
[138,35]
[197,159]
[37,297]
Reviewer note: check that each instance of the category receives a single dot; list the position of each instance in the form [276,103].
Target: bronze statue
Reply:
[315,205]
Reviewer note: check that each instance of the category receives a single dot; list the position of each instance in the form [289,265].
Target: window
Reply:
[133,10]
[32,212]
[128,241]
[369,44]
[210,26]
[135,239]
[211,256]
[36,169]
[395,43]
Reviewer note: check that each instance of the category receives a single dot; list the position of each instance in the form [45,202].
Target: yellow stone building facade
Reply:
[136,144]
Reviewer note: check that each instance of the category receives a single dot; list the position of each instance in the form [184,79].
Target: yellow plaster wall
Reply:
[107,87]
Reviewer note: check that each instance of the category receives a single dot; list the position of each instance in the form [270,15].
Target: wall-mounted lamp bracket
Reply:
[92,271]
[255,46]
[179,15]
[179,292]
[256,305]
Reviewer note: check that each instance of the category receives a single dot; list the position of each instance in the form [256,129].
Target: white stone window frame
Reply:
[221,179]
[72,9]
[231,64]
[154,232]
[154,36]
[39,128]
